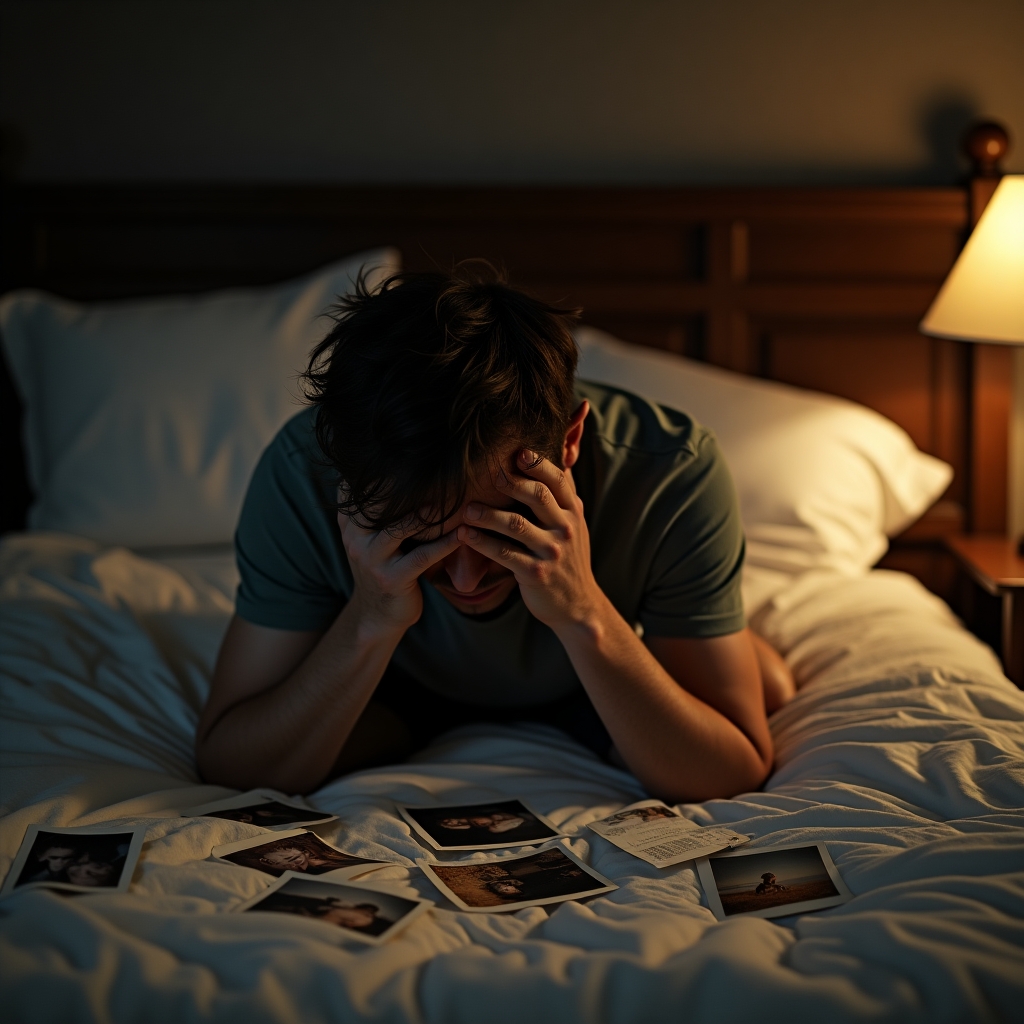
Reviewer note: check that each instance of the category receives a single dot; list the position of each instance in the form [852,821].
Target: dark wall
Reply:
[670,91]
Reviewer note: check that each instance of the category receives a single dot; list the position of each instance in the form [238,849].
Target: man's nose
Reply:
[466,568]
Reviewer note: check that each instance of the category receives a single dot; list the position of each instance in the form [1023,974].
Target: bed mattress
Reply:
[903,752]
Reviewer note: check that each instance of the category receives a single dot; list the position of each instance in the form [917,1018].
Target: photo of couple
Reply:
[479,826]
[79,859]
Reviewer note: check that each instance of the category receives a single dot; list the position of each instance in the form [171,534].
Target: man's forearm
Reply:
[679,747]
[290,735]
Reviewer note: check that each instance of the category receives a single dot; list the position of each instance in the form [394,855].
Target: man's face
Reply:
[289,858]
[57,858]
[466,579]
[349,916]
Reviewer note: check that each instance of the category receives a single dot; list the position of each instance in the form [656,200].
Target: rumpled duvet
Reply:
[903,752]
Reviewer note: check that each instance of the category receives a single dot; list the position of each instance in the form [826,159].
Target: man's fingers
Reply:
[427,554]
[558,481]
[501,551]
[511,524]
[538,495]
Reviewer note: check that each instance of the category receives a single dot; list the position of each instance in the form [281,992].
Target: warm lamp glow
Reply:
[983,297]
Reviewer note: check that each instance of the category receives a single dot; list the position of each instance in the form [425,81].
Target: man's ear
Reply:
[574,435]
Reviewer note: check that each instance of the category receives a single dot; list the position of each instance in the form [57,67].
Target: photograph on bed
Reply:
[551,875]
[778,882]
[264,808]
[367,915]
[296,850]
[483,826]
[76,859]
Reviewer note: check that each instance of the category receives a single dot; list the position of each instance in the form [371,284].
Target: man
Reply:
[54,861]
[458,530]
[360,917]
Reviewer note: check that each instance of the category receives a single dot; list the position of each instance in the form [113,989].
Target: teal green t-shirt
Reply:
[666,548]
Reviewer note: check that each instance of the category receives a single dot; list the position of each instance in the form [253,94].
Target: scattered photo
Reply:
[772,883]
[296,850]
[263,807]
[488,826]
[76,859]
[551,875]
[369,915]
[661,836]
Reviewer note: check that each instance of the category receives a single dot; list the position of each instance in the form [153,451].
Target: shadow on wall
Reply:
[943,121]
[941,124]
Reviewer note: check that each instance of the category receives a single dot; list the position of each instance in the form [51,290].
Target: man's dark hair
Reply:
[428,376]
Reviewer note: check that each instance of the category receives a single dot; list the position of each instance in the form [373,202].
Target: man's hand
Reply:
[386,588]
[550,560]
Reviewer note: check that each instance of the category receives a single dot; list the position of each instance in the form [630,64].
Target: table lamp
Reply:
[982,300]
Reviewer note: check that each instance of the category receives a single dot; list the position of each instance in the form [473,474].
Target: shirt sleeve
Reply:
[693,586]
[291,562]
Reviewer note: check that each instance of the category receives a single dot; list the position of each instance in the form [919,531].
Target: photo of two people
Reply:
[79,860]
[480,826]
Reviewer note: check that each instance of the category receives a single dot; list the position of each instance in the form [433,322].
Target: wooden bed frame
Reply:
[818,287]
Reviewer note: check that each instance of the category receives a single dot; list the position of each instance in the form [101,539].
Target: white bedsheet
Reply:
[904,752]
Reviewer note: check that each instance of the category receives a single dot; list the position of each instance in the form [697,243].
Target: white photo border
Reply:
[403,810]
[423,905]
[219,853]
[138,833]
[252,798]
[707,880]
[607,885]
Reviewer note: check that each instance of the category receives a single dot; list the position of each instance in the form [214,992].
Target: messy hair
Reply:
[431,375]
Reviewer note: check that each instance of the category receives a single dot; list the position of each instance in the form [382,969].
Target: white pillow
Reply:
[822,481]
[144,419]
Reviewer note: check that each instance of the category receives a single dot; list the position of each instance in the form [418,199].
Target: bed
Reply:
[903,750]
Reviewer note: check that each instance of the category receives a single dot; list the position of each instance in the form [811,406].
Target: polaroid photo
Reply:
[772,883]
[661,836]
[265,808]
[86,859]
[550,875]
[298,851]
[496,825]
[360,912]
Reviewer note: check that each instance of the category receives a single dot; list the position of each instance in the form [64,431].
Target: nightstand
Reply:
[993,564]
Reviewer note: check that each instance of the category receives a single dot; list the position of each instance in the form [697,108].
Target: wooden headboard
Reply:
[818,287]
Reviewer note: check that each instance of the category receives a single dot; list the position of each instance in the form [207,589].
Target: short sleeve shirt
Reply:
[666,548]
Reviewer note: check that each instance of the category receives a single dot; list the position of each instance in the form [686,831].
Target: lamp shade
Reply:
[982,299]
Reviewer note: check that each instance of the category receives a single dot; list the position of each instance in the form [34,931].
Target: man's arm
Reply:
[687,715]
[283,703]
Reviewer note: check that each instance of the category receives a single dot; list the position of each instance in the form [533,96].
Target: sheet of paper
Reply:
[661,836]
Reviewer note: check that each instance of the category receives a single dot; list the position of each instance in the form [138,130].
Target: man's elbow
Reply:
[742,771]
